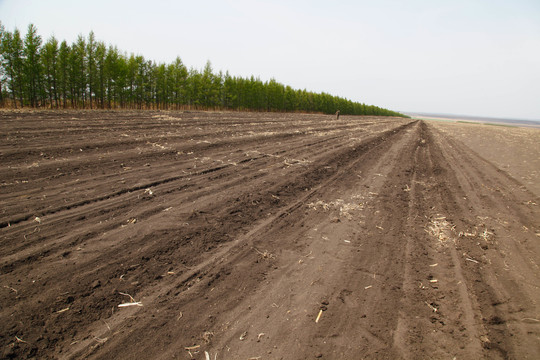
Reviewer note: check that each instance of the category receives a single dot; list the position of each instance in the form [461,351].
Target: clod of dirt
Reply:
[95,284]
[495,320]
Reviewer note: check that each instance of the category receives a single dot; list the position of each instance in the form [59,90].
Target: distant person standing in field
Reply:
[337,115]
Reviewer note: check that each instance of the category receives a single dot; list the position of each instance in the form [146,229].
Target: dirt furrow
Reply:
[78,254]
[82,182]
[261,251]
[494,212]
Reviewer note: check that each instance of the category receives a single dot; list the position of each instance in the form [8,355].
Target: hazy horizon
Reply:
[477,58]
[465,116]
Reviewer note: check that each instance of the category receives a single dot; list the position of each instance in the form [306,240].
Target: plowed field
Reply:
[159,235]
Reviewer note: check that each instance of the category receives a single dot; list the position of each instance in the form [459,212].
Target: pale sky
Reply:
[468,57]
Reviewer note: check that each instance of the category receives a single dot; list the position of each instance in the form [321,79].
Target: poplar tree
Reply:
[12,53]
[148,72]
[132,69]
[111,75]
[79,70]
[73,76]
[161,86]
[32,64]
[2,64]
[193,88]
[91,63]
[140,82]
[100,79]
[50,60]
[228,98]
[180,74]
[208,91]
[4,61]
[63,71]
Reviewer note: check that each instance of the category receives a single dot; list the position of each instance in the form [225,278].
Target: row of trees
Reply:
[90,74]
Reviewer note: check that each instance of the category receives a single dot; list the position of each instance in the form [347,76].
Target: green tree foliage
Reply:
[12,56]
[99,80]
[78,72]
[50,66]
[62,72]
[32,66]
[90,74]
[91,63]
[2,66]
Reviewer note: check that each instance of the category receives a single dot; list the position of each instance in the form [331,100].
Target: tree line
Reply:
[88,74]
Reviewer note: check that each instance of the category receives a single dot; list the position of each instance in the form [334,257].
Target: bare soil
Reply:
[512,149]
[265,236]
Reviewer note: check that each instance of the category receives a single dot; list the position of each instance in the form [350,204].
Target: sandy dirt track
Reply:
[264,236]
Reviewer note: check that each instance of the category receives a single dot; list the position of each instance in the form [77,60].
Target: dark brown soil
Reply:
[261,236]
